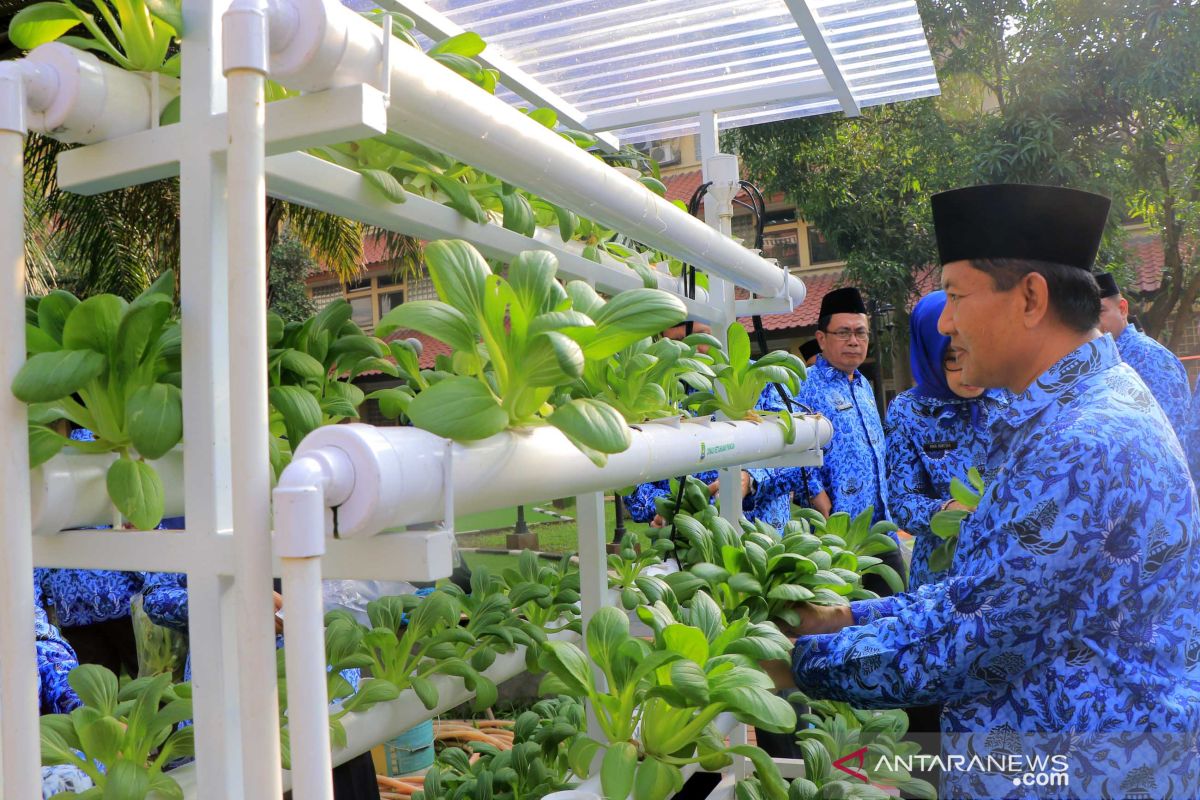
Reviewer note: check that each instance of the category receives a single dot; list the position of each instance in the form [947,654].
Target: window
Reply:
[783,245]
[820,250]
[370,296]
[389,300]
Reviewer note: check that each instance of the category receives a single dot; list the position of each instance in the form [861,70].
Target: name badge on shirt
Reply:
[939,449]
[841,404]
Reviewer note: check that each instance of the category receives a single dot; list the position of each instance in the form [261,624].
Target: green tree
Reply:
[1095,94]
[291,264]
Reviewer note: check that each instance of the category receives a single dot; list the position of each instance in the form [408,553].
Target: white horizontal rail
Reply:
[388,720]
[341,114]
[333,46]
[399,475]
[313,182]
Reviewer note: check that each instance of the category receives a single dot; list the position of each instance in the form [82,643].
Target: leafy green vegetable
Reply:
[138,37]
[126,734]
[742,380]
[108,366]
[671,692]
[516,339]
[947,524]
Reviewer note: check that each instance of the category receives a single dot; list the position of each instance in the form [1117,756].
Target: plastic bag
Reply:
[159,649]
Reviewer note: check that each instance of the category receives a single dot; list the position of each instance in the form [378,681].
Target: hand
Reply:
[658,522]
[954,505]
[823,504]
[780,672]
[816,619]
[278,607]
[715,486]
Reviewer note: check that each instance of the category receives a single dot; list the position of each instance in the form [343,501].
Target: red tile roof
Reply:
[682,185]
[1145,256]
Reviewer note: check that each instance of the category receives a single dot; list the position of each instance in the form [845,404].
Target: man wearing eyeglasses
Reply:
[853,477]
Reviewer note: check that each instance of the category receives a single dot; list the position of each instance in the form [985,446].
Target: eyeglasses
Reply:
[845,334]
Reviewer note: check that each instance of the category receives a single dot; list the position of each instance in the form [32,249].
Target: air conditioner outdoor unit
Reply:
[665,154]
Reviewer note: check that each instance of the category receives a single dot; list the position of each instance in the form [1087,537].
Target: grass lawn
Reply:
[553,537]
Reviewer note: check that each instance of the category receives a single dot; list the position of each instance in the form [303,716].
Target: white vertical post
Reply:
[220,746]
[244,56]
[18,670]
[593,572]
[721,293]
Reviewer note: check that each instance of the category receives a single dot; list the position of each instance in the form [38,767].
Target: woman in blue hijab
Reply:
[935,431]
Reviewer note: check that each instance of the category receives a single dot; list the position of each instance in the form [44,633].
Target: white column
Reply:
[593,572]
[18,669]
[205,321]
[244,34]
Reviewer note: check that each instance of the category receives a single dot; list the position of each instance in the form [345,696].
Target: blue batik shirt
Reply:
[771,500]
[1069,624]
[55,660]
[931,441]
[1162,371]
[854,472]
[1190,436]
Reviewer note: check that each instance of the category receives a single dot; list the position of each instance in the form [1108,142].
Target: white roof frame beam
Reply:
[818,42]
[437,25]
[727,100]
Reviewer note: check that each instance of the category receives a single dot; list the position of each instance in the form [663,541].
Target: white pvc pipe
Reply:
[308,699]
[82,100]
[333,46]
[244,45]
[19,755]
[69,491]
[399,471]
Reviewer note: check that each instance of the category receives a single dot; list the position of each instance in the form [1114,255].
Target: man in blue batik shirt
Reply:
[854,475]
[1067,628]
[1189,437]
[1159,368]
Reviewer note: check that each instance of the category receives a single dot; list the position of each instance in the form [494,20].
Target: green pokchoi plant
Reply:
[546,596]
[658,703]
[122,737]
[112,367]
[947,524]
[515,341]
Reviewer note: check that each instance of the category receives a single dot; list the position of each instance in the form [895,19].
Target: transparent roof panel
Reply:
[644,69]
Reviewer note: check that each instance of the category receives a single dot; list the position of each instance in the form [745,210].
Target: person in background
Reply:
[1069,627]
[809,352]
[1161,370]
[853,477]
[936,431]
[1190,436]
[55,660]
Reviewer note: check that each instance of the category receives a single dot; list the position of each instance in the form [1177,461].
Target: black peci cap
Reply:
[809,349]
[1013,220]
[1108,284]
[846,300]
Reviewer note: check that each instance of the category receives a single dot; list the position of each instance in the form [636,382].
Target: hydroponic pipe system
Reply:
[327,45]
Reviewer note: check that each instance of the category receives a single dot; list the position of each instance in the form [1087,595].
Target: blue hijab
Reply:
[927,348]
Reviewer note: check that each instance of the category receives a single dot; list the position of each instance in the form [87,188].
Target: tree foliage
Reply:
[1095,94]
[290,264]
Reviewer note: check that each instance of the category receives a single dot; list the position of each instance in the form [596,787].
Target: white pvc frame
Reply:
[226,549]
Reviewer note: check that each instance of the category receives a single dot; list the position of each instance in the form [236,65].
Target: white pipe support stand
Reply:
[308,490]
[244,37]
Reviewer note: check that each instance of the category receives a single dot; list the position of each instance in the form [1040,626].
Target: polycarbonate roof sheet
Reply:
[634,60]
